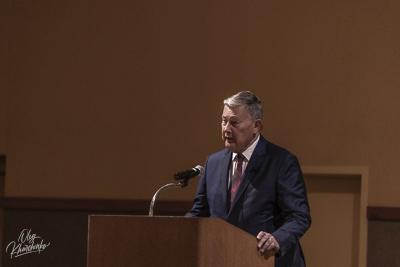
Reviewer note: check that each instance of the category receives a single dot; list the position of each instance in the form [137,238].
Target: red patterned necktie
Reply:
[237,177]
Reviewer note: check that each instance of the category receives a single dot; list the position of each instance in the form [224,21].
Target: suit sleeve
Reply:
[294,212]
[200,206]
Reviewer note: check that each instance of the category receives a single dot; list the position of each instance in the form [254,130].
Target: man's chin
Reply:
[230,146]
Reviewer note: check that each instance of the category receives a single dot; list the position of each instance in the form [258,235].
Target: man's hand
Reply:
[267,242]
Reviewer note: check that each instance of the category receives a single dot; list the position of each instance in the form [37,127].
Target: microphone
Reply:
[185,175]
[188,174]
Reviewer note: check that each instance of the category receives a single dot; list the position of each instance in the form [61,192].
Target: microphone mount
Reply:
[185,176]
[162,188]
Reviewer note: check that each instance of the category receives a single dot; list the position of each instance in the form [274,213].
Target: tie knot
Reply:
[239,158]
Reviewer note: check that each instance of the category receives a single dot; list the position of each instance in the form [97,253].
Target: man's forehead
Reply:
[240,111]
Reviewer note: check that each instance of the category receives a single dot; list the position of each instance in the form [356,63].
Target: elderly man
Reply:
[254,184]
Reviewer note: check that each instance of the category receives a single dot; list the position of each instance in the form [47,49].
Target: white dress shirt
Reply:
[247,155]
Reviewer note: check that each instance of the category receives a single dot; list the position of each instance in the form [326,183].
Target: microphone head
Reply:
[200,169]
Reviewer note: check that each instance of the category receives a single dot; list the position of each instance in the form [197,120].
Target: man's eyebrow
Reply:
[231,117]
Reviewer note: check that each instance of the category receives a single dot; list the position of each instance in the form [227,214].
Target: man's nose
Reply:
[228,127]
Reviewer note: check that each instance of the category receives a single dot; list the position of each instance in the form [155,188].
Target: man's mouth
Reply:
[229,139]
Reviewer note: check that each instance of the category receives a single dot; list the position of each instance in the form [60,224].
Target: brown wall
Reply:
[107,99]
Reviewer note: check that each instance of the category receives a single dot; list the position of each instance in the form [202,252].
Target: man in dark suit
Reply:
[254,184]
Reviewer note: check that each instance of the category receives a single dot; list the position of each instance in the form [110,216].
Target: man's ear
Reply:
[257,125]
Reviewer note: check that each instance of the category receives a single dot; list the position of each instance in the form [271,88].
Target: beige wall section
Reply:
[338,200]
[4,64]
[108,99]
[3,105]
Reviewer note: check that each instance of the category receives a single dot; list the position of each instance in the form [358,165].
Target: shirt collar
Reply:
[249,151]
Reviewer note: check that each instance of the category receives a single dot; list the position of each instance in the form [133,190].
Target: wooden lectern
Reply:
[170,241]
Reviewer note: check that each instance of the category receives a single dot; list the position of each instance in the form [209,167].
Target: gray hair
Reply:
[248,99]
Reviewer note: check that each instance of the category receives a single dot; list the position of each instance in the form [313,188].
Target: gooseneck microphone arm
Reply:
[162,189]
[185,176]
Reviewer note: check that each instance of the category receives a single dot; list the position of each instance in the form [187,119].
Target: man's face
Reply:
[238,130]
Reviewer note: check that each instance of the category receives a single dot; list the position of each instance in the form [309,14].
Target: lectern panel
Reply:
[170,241]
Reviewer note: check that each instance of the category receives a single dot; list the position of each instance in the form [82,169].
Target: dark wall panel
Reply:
[66,231]
[383,243]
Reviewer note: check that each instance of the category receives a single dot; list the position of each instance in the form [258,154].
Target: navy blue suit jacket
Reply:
[271,197]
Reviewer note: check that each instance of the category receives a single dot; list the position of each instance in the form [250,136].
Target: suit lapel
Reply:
[251,170]
[225,162]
